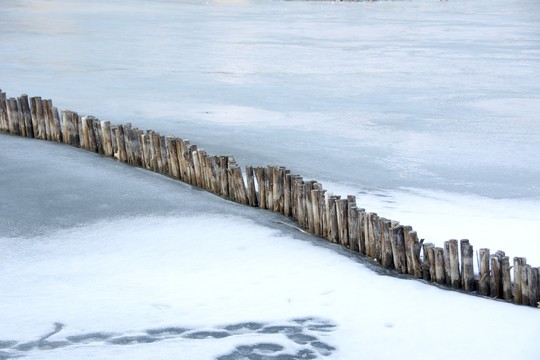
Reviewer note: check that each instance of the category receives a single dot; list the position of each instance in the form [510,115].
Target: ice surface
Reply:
[142,266]
[425,110]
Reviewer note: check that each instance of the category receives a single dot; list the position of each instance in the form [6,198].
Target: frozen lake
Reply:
[427,111]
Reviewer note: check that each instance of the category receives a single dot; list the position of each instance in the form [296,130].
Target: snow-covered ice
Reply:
[427,111]
[142,266]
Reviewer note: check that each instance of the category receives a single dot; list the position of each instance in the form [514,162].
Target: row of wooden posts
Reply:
[339,220]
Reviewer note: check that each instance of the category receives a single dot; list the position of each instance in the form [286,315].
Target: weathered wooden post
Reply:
[107,138]
[342,213]
[287,191]
[495,284]
[526,271]
[467,269]
[534,287]
[261,185]
[13,117]
[428,266]
[455,278]
[174,168]
[415,248]
[406,231]
[308,207]
[484,273]
[252,193]
[57,125]
[239,188]
[398,249]
[164,155]
[352,221]
[519,262]
[361,231]
[322,214]
[440,272]
[71,128]
[506,279]
[36,107]
[269,181]
[121,144]
[278,173]
[26,116]
[4,126]
[332,211]
[387,260]
[88,133]
[315,210]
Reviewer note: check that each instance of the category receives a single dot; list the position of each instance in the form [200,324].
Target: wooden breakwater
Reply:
[338,220]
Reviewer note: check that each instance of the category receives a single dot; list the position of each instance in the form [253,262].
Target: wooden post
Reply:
[71,128]
[278,188]
[534,289]
[114,141]
[287,195]
[322,213]
[88,133]
[440,272]
[398,249]
[269,180]
[239,188]
[467,269]
[387,260]
[506,279]
[98,136]
[455,278]
[181,149]
[518,270]
[447,263]
[361,231]
[121,144]
[36,107]
[415,248]
[342,212]
[525,286]
[406,231]
[164,155]
[107,138]
[332,210]
[252,194]
[26,115]
[315,210]
[308,206]
[428,266]
[13,116]
[147,153]
[352,221]
[495,284]
[174,167]
[373,247]
[4,126]
[56,126]
[484,273]
[261,182]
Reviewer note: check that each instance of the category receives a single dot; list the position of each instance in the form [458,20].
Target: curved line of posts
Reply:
[339,220]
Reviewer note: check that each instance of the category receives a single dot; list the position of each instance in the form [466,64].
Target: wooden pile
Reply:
[338,220]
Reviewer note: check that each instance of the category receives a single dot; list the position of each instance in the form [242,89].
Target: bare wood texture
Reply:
[13,117]
[440,272]
[455,278]
[467,269]
[252,194]
[398,249]
[484,276]
[26,116]
[387,260]
[506,279]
